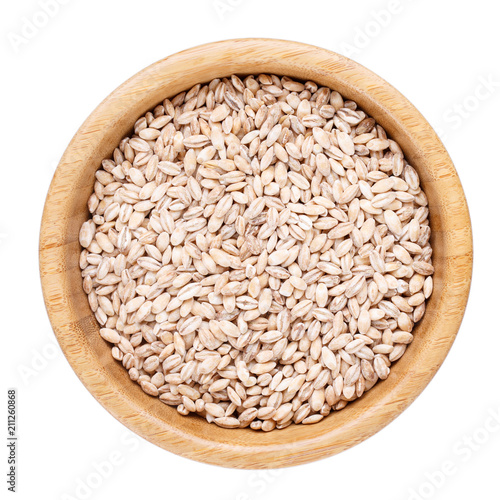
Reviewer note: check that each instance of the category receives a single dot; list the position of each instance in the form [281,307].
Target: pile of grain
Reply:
[258,252]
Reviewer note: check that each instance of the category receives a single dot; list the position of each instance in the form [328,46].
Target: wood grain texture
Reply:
[77,330]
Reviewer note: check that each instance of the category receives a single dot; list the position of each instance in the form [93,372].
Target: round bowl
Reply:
[77,330]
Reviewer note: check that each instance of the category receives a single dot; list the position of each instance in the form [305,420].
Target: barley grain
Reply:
[258,252]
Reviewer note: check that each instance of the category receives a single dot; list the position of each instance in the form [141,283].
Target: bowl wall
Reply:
[78,333]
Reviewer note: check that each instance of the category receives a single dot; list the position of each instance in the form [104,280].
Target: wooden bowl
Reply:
[77,330]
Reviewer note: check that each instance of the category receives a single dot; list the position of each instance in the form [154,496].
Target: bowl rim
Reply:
[376,92]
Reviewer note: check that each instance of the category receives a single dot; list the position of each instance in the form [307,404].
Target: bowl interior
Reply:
[77,330]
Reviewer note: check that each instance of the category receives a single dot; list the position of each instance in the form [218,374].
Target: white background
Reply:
[438,54]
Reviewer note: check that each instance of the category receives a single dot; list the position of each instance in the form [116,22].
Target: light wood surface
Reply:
[77,330]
